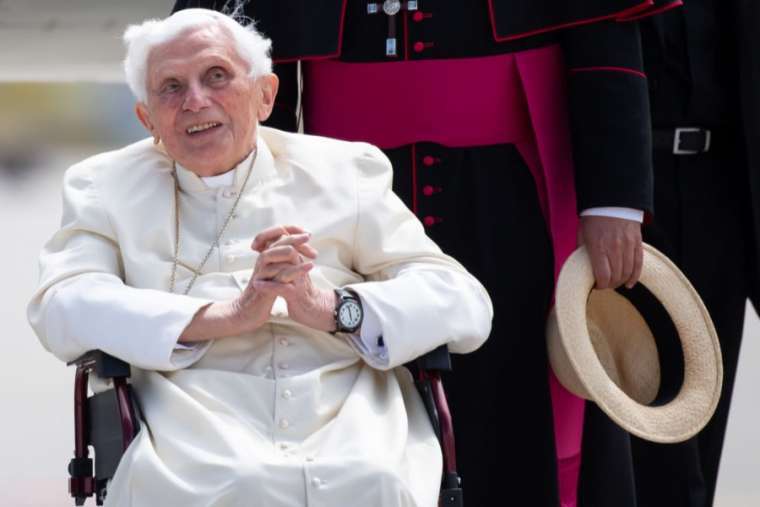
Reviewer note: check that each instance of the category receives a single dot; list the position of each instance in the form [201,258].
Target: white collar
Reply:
[220,180]
[263,169]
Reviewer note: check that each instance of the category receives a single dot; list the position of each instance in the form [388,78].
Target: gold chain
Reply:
[197,271]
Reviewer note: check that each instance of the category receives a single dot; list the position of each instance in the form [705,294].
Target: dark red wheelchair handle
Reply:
[125,411]
[82,480]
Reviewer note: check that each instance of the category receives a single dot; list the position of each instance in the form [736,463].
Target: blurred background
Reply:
[61,100]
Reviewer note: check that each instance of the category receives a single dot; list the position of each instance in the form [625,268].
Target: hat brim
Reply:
[698,397]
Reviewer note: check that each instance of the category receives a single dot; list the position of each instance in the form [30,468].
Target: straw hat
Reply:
[601,349]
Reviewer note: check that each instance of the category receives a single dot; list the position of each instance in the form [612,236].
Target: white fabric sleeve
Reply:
[635,215]
[82,302]
[410,283]
[369,343]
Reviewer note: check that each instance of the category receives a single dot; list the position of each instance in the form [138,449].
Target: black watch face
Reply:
[350,315]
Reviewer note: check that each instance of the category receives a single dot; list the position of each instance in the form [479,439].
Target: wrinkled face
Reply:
[202,103]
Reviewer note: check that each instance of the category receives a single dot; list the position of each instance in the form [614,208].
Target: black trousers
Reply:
[703,223]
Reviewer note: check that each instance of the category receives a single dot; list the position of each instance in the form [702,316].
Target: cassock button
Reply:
[230,258]
[287,394]
[310,459]
[419,47]
[428,190]
[317,482]
[284,424]
[283,342]
[229,193]
[428,221]
[284,366]
[428,160]
[418,16]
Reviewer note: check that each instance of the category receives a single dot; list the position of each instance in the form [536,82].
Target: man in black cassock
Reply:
[489,216]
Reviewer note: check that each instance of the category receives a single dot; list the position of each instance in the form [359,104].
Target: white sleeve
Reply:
[82,302]
[635,215]
[369,343]
[421,297]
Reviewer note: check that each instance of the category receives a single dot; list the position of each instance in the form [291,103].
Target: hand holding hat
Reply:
[601,349]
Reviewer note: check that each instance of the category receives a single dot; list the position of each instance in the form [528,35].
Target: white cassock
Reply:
[286,416]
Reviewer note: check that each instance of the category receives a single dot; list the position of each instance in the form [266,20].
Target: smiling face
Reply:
[202,103]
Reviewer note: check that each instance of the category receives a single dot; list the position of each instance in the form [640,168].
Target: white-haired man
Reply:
[264,285]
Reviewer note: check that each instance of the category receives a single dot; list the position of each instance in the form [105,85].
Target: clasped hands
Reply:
[285,259]
[282,269]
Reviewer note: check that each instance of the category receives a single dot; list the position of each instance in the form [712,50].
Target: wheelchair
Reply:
[109,420]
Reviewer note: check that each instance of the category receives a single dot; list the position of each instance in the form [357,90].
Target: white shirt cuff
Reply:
[370,342]
[635,215]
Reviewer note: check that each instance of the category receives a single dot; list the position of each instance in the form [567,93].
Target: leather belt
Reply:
[683,140]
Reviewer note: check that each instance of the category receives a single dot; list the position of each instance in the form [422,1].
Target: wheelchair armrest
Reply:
[437,360]
[104,365]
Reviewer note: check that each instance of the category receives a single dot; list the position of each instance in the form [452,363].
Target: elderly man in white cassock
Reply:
[265,286]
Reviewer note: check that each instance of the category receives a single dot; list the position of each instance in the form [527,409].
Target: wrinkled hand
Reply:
[614,245]
[282,269]
[253,307]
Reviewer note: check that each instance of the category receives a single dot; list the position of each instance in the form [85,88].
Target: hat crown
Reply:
[624,344]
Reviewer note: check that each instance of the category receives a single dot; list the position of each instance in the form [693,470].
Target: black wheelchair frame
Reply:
[109,420]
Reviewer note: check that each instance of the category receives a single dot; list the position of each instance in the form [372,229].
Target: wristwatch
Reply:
[348,311]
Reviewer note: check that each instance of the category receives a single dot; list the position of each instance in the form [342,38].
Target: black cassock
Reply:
[703,63]
[489,218]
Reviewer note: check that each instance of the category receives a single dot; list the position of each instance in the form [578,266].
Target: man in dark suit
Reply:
[703,64]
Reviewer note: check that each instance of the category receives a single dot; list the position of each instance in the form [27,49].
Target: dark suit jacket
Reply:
[748,29]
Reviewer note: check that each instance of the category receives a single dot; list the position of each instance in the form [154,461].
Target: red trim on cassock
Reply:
[644,9]
[655,11]
[327,56]
[609,69]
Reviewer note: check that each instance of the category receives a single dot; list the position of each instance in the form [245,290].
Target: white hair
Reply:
[140,39]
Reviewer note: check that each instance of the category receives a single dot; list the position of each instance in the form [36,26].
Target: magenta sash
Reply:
[393,104]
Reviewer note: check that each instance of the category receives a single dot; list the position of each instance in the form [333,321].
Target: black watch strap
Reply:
[343,297]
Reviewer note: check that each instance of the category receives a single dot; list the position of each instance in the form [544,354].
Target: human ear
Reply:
[268,85]
[141,110]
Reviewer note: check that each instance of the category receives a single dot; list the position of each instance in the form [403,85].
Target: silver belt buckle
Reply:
[677,150]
